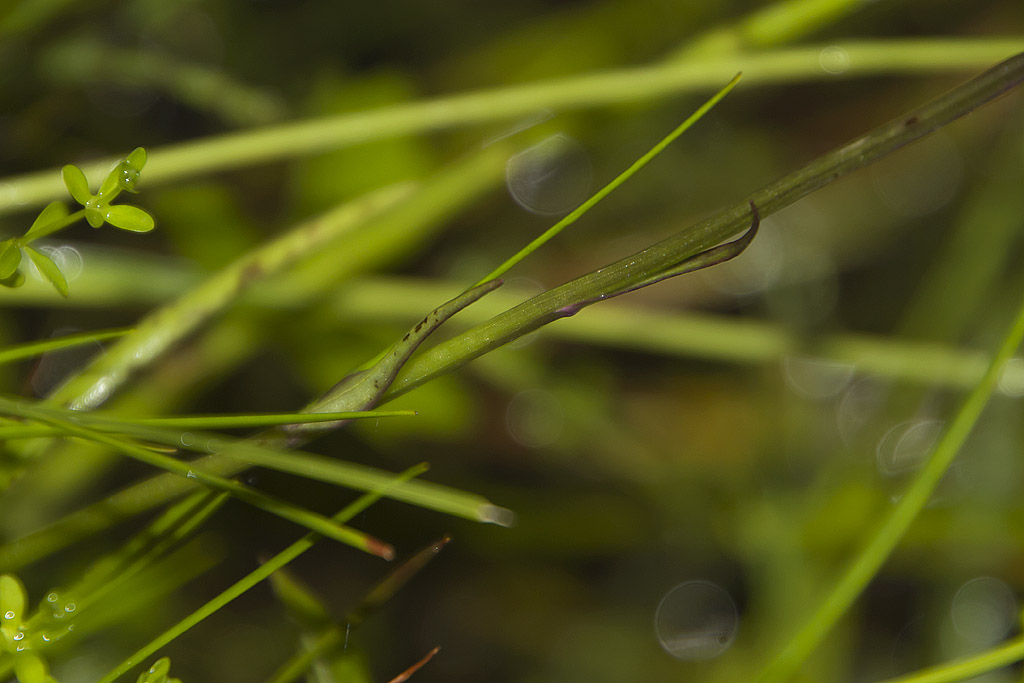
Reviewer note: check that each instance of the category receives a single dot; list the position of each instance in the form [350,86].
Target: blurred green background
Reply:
[744,460]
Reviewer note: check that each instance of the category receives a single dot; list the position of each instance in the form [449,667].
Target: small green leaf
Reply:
[12,605]
[49,270]
[76,183]
[129,217]
[14,281]
[54,211]
[111,182]
[30,668]
[157,673]
[10,258]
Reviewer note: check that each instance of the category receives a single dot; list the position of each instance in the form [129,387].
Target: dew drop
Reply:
[905,447]
[9,614]
[187,439]
[551,177]
[191,475]
[816,378]
[984,610]
[1011,378]
[834,59]
[696,621]
[535,418]
[67,258]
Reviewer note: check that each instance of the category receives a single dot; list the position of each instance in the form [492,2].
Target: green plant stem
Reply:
[892,528]
[566,299]
[53,227]
[269,567]
[235,150]
[37,348]
[237,421]
[968,667]
[594,199]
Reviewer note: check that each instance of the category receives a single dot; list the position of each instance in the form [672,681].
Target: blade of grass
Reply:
[892,528]
[37,348]
[935,55]
[273,564]
[248,452]
[613,185]
[232,456]
[238,421]
[190,470]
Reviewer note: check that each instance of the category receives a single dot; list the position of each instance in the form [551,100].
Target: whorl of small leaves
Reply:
[97,209]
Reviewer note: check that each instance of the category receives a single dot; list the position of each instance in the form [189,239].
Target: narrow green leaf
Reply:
[49,270]
[129,217]
[10,258]
[75,181]
[255,420]
[36,348]
[332,470]
[54,211]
